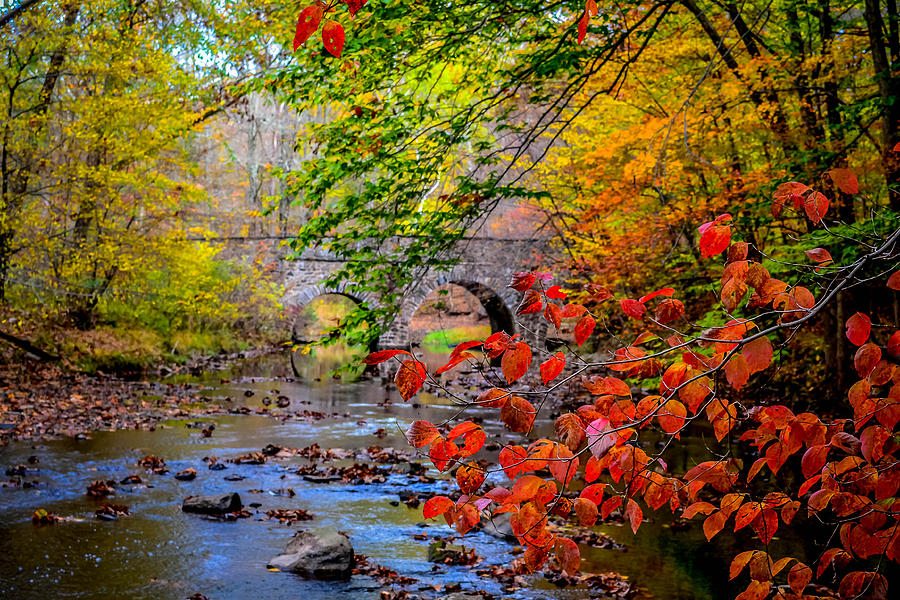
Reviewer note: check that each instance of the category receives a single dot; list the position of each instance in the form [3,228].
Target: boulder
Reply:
[212,505]
[499,527]
[317,553]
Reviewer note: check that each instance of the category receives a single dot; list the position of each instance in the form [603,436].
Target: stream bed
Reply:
[160,552]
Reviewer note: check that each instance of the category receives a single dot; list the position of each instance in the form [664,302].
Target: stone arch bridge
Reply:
[485,269]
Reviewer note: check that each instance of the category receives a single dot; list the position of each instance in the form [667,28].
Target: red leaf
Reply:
[511,460]
[609,505]
[865,359]
[381,356]
[572,310]
[454,360]
[353,6]
[515,361]
[634,514]
[816,205]
[421,433]
[858,328]
[583,329]
[714,239]
[333,37]
[307,23]
[553,313]
[845,180]
[893,281]
[582,27]
[554,293]
[758,354]
[633,308]
[563,464]
[441,453]
[522,281]
[814,459]
[436,505]
[669,310]
[651,295]
[594,493]
[552,367]
[473,437]
[410,378]
[819,255]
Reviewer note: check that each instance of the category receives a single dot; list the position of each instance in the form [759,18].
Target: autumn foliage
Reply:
[843,466]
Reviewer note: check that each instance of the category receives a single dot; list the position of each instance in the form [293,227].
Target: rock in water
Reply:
[212,505]
[317,553]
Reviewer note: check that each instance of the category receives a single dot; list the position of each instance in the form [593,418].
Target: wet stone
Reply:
[317,553]
[212,505]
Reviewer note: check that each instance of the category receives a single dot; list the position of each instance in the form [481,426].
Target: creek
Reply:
[160,552]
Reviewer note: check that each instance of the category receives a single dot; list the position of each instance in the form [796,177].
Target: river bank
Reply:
[41,400]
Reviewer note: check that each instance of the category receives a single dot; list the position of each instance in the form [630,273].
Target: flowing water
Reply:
[160,552]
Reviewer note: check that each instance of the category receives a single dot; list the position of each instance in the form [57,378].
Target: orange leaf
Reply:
[634,514]
[738,563]
[469,478]
[518,414]
[515,361]
[410,378]
[570,430]
[587,512]
[568,555]
[552,367]
[421,433]
[436,505]
[758,354]
[845,180]
[713,524]
[671,416]
[737,371]
[333,37]
[799,577]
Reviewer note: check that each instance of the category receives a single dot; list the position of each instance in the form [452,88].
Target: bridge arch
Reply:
[295,304]
[495,304]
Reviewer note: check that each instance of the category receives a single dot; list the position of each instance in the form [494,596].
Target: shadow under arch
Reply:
[499,314]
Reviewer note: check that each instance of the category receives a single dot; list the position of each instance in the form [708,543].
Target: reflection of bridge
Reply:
[485,268]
